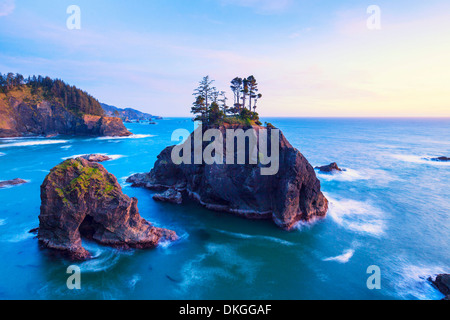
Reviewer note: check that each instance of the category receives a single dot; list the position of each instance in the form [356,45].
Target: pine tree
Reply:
[252,90]
[236,87]
[205,90]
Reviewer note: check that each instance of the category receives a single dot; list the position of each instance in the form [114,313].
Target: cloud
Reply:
[299,33]
[6,7]
[261,6]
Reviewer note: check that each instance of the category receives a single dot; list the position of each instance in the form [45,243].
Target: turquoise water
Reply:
[390,209]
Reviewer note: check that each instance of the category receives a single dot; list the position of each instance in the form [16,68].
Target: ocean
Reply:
[390,209]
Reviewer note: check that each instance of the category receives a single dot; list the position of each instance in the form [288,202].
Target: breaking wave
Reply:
[32,143]
[357,216]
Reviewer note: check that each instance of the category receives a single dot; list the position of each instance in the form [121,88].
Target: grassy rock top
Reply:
[85,176]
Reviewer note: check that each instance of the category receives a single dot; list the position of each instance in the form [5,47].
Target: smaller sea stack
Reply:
[79,199]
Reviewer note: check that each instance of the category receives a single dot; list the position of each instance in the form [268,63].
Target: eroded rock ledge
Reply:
[81,199]
[290,196]
[20,118]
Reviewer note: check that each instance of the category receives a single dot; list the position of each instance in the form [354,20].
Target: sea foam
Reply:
[134,136]
[425,159]
[376,175]
[103,259]
[413,282]
[32,143]
[256,237]
[357,216]
[343,258]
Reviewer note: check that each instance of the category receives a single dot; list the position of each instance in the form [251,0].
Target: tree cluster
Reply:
[74,99]
[210,105]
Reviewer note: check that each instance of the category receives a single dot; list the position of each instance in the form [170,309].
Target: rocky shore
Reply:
[288,197]
[442,283]
[19,118]
[80,199]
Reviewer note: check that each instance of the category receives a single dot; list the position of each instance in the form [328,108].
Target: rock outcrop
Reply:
[95,157]
[13,182]
[329,168]
[171,195]
[81,199]
[291,195]
[20,117]
[442,283]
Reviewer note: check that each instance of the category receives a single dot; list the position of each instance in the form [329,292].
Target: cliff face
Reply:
[21,116]
[81,199]
[291,195]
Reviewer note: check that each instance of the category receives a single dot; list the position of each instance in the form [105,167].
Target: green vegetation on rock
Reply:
[86,179]
[36,89]
[210,106]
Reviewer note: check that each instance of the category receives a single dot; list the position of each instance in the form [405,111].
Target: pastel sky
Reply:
[311,58]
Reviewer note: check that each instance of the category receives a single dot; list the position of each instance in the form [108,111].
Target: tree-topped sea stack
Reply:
[81,199]
[288,195]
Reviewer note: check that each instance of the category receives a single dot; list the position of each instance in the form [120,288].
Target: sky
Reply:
[311,58]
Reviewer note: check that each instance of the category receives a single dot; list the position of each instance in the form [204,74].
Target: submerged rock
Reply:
[287,197]
[171,195]
[441,159]
[81,199]
[13,182]
[329,168]
[442,283]
[96,158]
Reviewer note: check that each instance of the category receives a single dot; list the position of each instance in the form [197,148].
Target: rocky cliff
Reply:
[25,114]
[291,195]
[81,199]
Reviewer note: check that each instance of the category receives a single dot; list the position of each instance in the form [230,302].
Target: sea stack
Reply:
[81,199]
[287,197]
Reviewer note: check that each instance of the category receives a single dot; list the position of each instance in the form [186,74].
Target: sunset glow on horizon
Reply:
[310,59]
